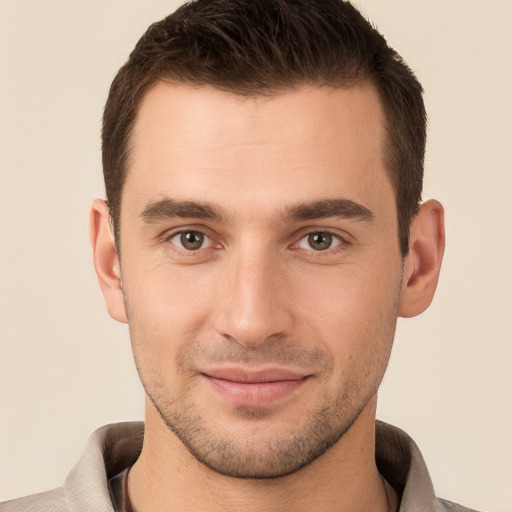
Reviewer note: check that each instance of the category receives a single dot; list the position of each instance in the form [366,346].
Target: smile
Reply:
[254,389]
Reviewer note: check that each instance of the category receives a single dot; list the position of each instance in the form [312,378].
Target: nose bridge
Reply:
[250,307]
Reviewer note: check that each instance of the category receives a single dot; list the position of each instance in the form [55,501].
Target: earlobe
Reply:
[106,261]
[423,262]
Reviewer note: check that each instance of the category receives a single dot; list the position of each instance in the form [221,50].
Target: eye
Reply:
[319,241]
[191,240]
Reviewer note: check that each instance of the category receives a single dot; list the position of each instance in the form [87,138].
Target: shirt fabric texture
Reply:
[114,448]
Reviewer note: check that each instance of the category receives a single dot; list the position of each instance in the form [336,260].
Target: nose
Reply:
[253,307]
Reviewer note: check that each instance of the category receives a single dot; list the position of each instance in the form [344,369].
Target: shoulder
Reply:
[400,462]
[110,450]
[448,506]
[53,501]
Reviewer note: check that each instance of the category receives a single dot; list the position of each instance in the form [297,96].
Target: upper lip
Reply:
[261,375]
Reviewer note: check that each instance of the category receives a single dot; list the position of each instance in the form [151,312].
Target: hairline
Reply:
[361,78]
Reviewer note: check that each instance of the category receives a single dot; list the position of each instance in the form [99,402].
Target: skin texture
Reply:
[259,244]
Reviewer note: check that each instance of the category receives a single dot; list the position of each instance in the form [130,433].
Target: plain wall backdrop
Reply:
[66,367]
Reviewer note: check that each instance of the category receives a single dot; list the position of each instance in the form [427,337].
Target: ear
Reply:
[423,262]
[106,261]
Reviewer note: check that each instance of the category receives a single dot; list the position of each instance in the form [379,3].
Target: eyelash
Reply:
[167,240]
[342,244]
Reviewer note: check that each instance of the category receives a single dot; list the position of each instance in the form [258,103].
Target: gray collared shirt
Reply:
[97,482]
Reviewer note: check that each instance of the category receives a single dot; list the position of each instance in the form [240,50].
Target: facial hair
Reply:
[263,453]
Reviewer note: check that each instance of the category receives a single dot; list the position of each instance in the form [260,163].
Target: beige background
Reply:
[65,366]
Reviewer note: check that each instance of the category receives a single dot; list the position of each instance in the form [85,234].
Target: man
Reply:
[263,230]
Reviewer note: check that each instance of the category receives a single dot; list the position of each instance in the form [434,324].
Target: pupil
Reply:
[320,241]
[192,240]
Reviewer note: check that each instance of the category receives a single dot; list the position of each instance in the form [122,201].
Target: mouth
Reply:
[255,388]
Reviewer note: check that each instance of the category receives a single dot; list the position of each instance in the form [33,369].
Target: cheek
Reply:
[167,308]
[353,312]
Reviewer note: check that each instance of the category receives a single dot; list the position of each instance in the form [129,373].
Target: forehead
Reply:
[290,146]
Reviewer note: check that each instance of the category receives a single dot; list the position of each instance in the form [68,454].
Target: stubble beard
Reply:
[270,455]
[260,453]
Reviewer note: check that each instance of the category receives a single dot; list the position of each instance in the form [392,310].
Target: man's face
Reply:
[260,268]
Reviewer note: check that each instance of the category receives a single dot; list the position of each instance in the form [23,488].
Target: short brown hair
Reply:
[256,47]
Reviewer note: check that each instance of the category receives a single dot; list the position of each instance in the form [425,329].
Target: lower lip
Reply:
[255,394]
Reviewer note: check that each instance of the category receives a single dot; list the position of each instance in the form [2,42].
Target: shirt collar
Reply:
[113,448]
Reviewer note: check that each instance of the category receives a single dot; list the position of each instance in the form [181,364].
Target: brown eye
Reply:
[319,241]
[191,240]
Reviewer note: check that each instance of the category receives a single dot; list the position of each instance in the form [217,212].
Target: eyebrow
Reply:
[342,208]
[170,208]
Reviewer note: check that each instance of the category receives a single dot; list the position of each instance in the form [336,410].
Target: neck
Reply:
[345,478]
